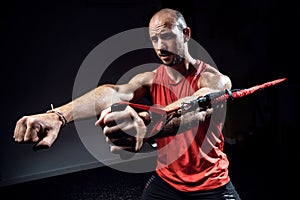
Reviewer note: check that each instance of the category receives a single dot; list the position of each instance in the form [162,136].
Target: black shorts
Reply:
[157,189]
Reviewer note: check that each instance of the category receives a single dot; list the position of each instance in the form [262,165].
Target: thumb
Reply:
[146,117]
[47,141]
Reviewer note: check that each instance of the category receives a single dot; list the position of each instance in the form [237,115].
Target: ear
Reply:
[187,34]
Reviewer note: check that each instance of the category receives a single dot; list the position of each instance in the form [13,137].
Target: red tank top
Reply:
[192,160]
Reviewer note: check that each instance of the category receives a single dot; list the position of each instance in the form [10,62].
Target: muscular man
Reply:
[191,164]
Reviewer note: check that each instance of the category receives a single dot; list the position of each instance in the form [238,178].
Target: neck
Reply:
[178,71]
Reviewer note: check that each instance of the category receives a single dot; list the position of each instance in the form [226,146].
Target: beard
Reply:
[176,58]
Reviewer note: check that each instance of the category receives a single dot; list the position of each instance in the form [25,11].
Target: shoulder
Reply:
[211,77]
[144,79]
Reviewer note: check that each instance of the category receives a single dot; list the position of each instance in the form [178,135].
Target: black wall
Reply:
[43,44]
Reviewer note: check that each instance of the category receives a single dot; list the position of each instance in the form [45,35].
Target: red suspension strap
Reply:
[209,98]
[200,101]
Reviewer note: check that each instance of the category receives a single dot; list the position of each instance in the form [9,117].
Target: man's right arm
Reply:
[43,128]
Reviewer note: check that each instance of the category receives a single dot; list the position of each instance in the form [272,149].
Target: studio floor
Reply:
[255,175]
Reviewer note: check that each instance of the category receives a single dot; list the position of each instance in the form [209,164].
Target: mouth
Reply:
[164,53]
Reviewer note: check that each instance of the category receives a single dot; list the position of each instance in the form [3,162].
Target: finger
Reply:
[122,141]
[113,118]
[121,149]
[136,129]
[124,152]
[209,111]
[118,118]
[31,133]
[19,133]
[108,119]
[39,146]
[129,114]
[100,121]
[138,144]
[126,129]
[117,130]
[202,116]
[126,140]
[20,130]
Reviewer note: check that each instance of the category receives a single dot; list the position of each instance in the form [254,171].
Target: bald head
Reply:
[168,18]
[169,35]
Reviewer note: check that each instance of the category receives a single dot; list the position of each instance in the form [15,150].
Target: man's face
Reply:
[167,40]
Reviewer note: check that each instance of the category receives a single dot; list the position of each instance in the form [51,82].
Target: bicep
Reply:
[136,88]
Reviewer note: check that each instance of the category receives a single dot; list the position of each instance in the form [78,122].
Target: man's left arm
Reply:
[210,82]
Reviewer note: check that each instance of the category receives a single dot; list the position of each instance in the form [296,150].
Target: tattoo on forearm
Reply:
[176,123]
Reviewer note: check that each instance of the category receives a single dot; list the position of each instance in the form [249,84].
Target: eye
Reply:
[167,36]
[154,38]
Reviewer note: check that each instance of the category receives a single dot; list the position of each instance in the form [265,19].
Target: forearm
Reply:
[176,122]
[196,115]
[186,119]
[90,104]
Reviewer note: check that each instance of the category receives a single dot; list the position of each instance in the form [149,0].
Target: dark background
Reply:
[43,44]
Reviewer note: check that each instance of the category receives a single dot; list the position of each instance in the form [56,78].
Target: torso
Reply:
[193,160]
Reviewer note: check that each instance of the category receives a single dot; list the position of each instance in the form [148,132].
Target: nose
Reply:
[161,45]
